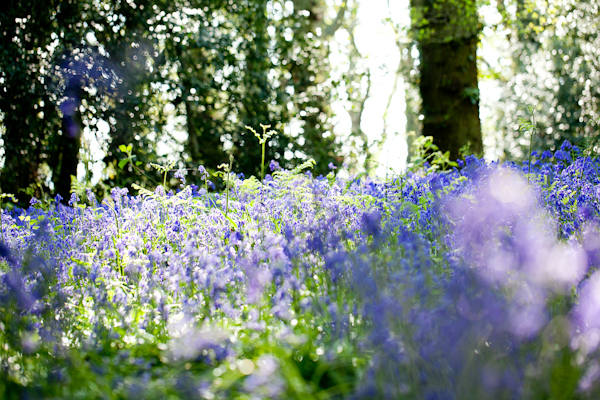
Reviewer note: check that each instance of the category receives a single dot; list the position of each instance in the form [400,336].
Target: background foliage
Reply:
[180,80]
[533,53]
[552,55]
[213,67]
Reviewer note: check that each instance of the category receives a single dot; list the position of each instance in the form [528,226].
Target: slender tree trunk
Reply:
[70,140]
[448,37]
[193,140]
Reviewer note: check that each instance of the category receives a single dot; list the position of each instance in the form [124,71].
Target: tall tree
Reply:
[447,32]
[68,143]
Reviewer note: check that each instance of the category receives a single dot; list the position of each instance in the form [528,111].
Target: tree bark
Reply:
[69,141]
[448,36]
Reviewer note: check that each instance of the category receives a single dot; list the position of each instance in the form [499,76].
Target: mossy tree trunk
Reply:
[447,32]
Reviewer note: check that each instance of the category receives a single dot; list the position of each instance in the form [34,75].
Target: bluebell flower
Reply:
[370,222]
[118,194]
[33,201]
[566,146]
[73,200]
[274,165]
[180,175]
[90,195]
[203,172]
[160,190]
[563,156]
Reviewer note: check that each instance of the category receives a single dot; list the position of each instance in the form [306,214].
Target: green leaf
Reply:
[232,222]
[123,148]
[412,207]
[122,163]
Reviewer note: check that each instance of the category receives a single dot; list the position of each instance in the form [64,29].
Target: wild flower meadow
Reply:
[478,282]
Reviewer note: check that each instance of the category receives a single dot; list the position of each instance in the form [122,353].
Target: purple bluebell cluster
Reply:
[476,282]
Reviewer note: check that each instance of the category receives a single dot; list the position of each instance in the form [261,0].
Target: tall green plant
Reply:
[529,126]
[226,175]
[262,139]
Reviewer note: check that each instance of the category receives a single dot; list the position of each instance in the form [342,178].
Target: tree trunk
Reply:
[69,142]
[448,37]
[450,97]
[193,140]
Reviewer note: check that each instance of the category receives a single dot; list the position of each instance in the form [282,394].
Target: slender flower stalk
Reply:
[228,183]
[262,139]
[227,178]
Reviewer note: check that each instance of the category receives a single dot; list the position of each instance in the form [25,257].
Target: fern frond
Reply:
[145,193]
[308,164]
